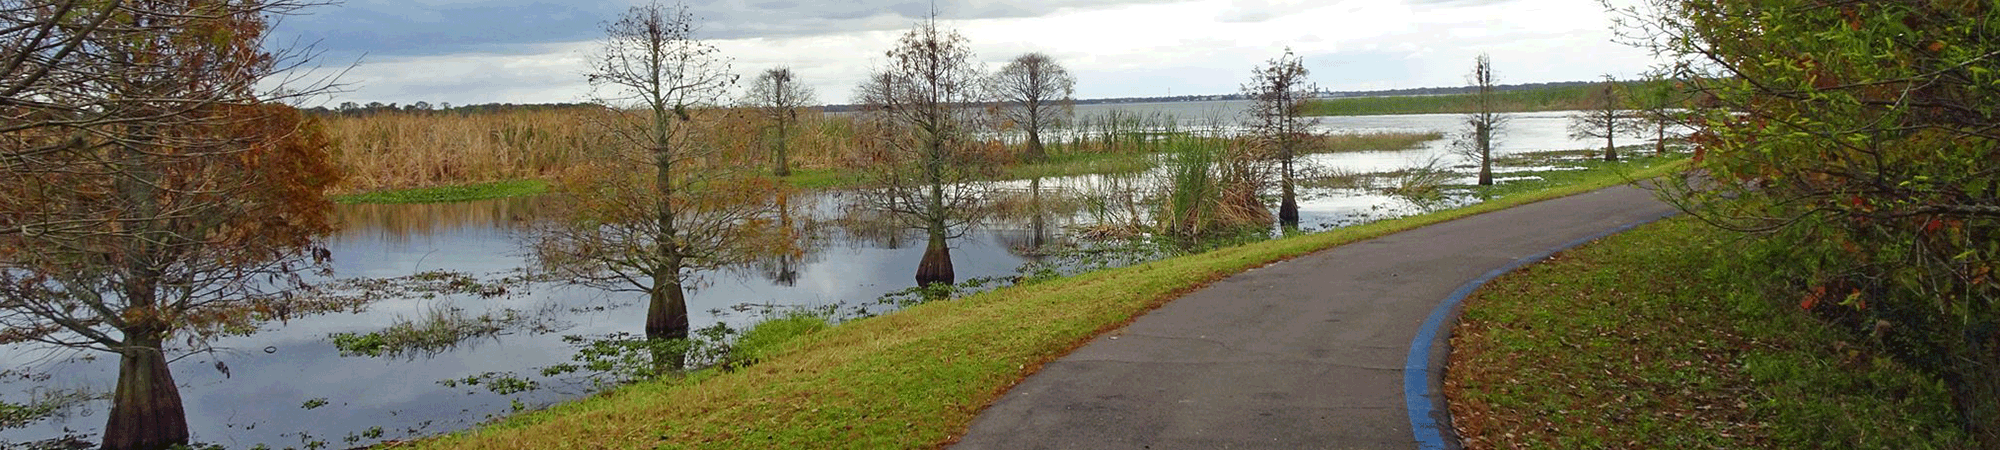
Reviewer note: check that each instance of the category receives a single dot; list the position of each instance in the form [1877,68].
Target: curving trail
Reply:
[1308,353]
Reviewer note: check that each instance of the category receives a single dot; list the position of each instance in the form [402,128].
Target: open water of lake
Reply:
[277,379]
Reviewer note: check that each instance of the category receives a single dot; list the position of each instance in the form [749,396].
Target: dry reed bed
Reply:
[400,150]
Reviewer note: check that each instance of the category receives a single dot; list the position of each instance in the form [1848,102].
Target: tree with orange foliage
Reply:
[153,198]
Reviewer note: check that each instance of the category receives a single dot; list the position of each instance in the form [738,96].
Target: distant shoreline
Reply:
[1410,92]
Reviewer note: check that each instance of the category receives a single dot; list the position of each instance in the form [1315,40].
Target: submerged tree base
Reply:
[935,268]
[146,409]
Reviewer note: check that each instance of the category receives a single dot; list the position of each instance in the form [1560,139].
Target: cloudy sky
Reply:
[531,51]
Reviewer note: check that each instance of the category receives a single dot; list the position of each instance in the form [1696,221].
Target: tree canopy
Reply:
[1860,139]
[153,197]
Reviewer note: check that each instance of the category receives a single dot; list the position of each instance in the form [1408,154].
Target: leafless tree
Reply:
[1035,92]
[1660,104]
[671,203]
[1485,121]
[153,198]
[1278,92]
[779,94]
[1605,120]
[919,111]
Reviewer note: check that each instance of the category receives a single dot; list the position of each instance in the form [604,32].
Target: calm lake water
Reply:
[277,379]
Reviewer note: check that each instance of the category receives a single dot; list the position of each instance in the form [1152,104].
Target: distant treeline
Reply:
[1450,90]
[1453,90]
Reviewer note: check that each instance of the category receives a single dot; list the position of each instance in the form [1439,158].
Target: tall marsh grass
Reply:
[1117,132]
[396,150]
[400,150]
[1188,206]
[1211,188]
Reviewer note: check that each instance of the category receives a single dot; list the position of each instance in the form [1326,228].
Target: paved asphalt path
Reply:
[1302,354]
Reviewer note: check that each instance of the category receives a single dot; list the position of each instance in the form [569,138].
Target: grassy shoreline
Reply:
[1657,338]
[915,378]
[1551,99]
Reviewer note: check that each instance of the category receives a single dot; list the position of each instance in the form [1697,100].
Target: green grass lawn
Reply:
[1655,339]
[822,178]
[914,378]
[457,193]
[1566,167]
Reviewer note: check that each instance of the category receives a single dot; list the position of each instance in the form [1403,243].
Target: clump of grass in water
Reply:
[442,328]
[1115,142]
[1375,141]
[45,403]
[1190,207]
[1424,182]
[1116,212]
[1335,178]
[617,359]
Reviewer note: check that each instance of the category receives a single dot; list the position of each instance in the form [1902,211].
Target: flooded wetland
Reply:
[474,332]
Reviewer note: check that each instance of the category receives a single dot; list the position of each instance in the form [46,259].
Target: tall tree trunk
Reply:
[1482,76]
[1035,153]
[146,412]
[1288,208]
[666,309]
[1610,147]
[784,166]
[1660,139]
[1483,132]
[936,266]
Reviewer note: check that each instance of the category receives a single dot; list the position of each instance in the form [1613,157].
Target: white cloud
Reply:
[1189,47]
